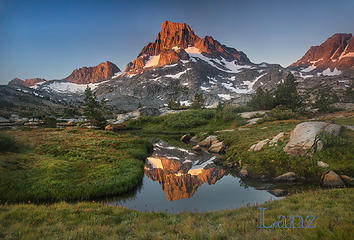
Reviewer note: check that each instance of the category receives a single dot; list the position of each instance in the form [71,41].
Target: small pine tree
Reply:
[286,93]
[93,109]
[198,101]
[178,104]
[219,107]
[262,100]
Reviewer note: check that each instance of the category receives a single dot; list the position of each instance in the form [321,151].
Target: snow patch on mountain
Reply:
[66,87]
[225,96]
[250,84]
[118,74]
[178,75]
[153,61]
[230,67]
[328,72]
[309,68]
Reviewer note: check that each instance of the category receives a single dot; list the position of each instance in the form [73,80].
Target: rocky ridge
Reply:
[334,55]
[96,74]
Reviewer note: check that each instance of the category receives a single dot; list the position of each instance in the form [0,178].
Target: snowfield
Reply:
[328,72]
[231,67]
[66,87]
[153,61]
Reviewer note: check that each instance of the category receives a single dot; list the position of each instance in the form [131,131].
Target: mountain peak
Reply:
[99,73]
[336,52]
[29,82]
[172,44]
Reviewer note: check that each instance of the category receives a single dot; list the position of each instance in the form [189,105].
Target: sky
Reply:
[49,39]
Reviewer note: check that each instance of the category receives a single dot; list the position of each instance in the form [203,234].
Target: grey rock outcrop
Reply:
[304,137]
[148,111]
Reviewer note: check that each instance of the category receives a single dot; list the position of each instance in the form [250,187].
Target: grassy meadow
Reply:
[69,164]
[89,220]
[43,170]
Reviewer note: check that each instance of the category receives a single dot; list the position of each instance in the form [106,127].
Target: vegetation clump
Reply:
[94,110]
[7,143]
[198,101]
[285,94]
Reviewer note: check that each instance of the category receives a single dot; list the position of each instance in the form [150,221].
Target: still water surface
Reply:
[177,180]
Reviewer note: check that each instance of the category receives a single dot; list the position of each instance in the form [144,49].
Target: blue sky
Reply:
[49,39]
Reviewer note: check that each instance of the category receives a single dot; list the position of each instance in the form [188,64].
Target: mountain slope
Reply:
[175,42]
[27,82]
[96,74]
[179,64]
[334,55]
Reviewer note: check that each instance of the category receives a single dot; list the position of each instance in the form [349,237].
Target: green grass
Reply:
[87,220]
[190,121]
[71,164]
[273,161]
[345,121]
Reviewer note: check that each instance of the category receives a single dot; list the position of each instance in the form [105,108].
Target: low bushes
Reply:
[278,113]
[188,119]
[7,143]
[228,113]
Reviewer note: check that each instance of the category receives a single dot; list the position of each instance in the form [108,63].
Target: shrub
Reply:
[280,113]
[70,112]
[324,100]
[261,100]
[50,122]
[73,131]
[7,144]
[285,94]
[188,119]
[227,113]
[330,140]
[93,109]
[198,101]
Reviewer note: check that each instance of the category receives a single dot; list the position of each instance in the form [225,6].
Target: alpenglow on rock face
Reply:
[99,73]
[335,54]
[174,42]
[27,82]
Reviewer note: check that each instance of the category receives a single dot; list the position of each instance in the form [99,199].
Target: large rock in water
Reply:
[216,147]
[286,177]
[207,142]
[303,138]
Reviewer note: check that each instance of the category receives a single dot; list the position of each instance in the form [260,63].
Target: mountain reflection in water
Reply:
[178,180]
[181,172]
